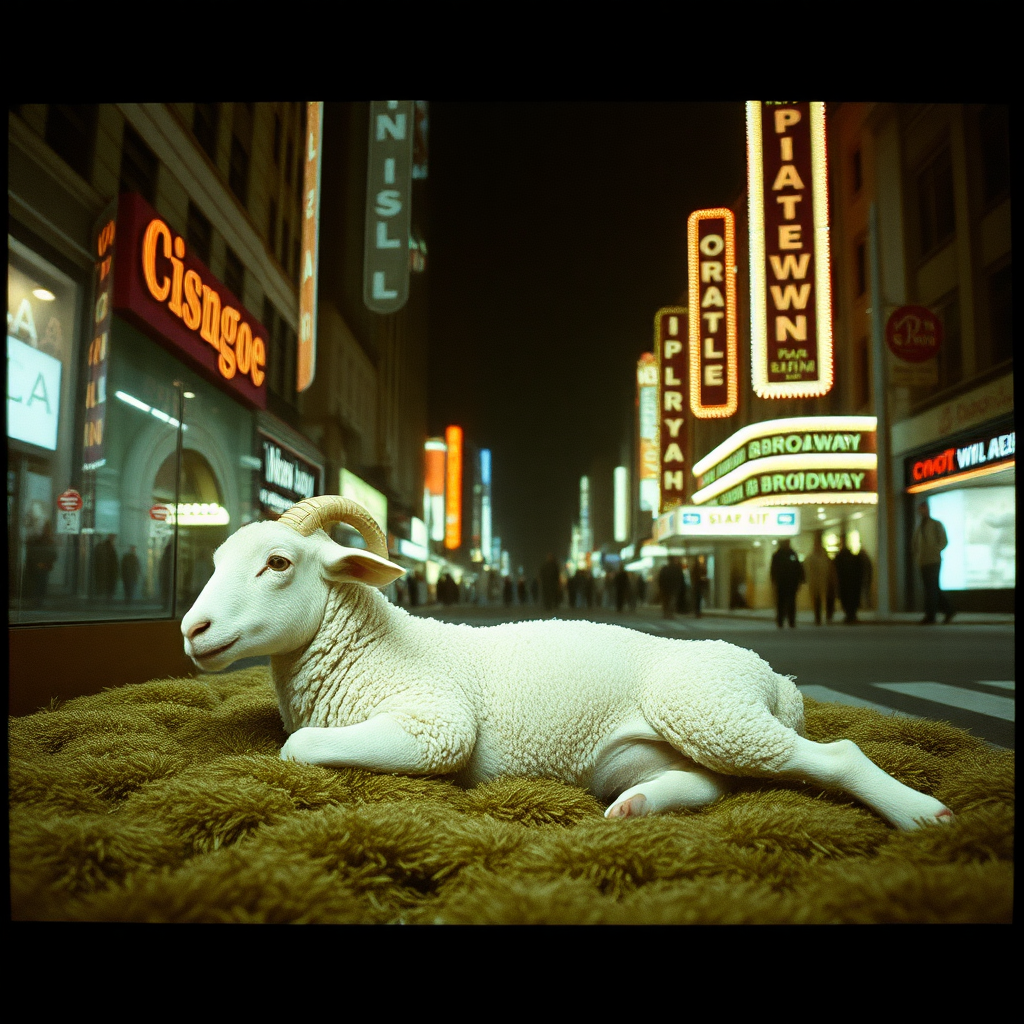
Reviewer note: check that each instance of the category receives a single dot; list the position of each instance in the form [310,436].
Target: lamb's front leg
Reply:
[379,744]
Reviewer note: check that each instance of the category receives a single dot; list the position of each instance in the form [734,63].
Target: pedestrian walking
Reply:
[699,579]
[787,573]
[130,569]
[40,556]
[866,571]
[166,576]
[850,571]
[573,586]
[104,568]
[621,589]
[550,584]
[818,569]
[670,581]
[683,594]
[927,544]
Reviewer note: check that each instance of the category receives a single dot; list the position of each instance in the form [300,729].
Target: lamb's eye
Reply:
[278,563]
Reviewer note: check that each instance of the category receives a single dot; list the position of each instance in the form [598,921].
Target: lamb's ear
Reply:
[351,565]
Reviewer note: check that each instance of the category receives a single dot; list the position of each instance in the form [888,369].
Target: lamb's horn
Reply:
[319,513]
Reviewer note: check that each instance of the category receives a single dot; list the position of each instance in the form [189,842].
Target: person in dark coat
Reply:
[130,569]
[104,568]
[787,573]
[850,571]
[683,588]
[699,579]
[40,555]
[670,582]
[621,589]
[550,584]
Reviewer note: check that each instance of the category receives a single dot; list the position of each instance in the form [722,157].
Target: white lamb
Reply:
[646,724]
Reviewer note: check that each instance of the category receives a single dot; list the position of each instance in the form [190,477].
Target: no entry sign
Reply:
[69,501]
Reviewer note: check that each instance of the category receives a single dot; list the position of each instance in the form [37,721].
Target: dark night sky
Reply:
[556,232]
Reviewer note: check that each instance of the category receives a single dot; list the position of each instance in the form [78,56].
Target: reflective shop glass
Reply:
[44,317]
[175,478]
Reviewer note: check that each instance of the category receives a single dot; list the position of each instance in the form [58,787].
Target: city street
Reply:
[962,673]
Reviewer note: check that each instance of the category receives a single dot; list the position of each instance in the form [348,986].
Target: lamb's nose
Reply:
[197,628]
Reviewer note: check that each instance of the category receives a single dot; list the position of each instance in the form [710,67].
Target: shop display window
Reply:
[44,316]
[176,473]
[980,524]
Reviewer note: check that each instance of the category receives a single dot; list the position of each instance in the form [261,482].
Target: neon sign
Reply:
[453,489]
[979,456]
[169,294]
[669,336]
[711,238]
[790,291]
[804,458]
[199,306]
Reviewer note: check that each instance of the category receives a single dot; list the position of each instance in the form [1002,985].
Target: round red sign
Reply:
[913,334]
[158,512]
[69,501]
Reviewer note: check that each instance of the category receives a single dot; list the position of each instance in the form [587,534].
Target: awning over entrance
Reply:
[723,522]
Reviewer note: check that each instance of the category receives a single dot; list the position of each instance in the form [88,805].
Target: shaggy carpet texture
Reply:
[168,802]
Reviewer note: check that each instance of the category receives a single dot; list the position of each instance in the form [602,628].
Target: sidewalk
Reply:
[761,615]
[868,616]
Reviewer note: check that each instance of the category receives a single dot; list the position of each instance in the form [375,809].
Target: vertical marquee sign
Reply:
[711,241]
[93,445]
[310,235]
[388,199]
[669,338]
[790,293]
[648,456]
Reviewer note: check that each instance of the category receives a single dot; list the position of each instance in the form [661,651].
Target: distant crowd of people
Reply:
[847,576]
[681,585]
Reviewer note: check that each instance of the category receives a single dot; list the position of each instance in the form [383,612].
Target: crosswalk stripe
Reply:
[954,696]
[824,693]
[1002,684]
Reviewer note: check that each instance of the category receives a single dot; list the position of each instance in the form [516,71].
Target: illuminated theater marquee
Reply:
[711,240]
[790,292]
[804,459]
[669,339]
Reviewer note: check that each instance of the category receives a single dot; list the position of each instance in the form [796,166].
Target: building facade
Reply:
[919,218]
[153,298]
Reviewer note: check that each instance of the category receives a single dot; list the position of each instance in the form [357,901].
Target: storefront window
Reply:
[43,318]
[176,477]
[980,524]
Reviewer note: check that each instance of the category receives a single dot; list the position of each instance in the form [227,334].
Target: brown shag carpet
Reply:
[168,802]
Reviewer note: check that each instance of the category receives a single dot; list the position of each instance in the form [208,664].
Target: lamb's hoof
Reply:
[943,816]
[634,807]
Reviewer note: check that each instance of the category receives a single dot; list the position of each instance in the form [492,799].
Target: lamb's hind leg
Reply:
[845,766]
[669,791]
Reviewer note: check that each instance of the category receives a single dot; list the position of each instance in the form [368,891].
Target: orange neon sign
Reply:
[453,489]
[200,306]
